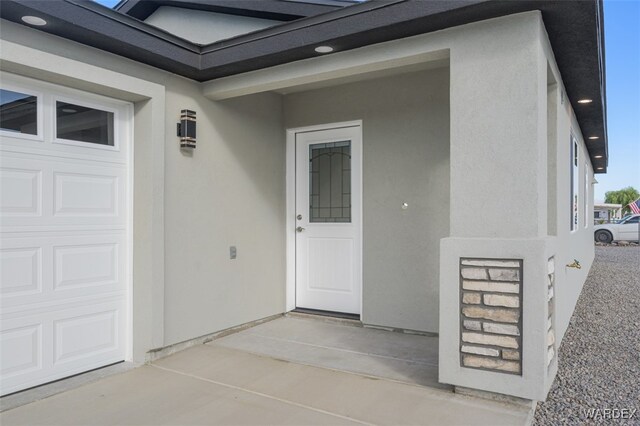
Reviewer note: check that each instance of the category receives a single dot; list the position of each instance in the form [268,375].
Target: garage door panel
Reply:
[41,191]
[20,271]
[41,271]
[85,265]
[20,192]
[85,336]
[21,350]
[56,343]
[88,195]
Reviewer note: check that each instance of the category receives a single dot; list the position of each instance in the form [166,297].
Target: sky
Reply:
[108,3]
[622,55]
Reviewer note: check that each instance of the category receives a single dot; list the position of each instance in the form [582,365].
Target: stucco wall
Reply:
[405,159]
[498,181]
[501,166]
[205,27]
[569,245]
[229,191]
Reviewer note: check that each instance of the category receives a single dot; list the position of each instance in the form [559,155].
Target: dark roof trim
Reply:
[277,10]
[575,31]
[301,24]
[94,25]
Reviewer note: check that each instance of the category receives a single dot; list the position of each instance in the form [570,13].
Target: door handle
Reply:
[299,229]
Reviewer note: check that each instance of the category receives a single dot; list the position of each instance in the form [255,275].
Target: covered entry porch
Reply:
[291,370]
[343,345]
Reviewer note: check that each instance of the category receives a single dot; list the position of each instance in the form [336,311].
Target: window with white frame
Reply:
[574,184]
[20,112]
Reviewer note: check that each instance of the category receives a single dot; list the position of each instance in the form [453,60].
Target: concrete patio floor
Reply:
[343,345]
[284,380]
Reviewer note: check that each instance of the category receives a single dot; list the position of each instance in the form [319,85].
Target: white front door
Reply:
[64,229]
[328,219]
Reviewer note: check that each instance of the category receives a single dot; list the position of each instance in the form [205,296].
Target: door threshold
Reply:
[332,314]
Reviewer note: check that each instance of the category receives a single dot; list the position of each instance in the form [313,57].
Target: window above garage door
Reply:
[75,122]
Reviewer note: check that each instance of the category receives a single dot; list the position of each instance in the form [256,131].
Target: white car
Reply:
[626,229]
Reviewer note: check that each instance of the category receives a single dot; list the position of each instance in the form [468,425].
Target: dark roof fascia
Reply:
[356,26]
[603,81]
[356,9]
[97,26]
[574,29]
[273,9]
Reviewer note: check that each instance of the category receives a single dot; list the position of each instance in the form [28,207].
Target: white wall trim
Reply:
[130,182]
[290,236]
[290,222]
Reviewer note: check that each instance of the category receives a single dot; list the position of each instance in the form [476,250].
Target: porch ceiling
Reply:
[575,30]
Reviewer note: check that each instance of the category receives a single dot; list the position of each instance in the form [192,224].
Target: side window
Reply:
[585,198]
[632,220]
[574,184]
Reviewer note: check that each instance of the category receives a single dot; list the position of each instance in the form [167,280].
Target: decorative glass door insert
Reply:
[330,182]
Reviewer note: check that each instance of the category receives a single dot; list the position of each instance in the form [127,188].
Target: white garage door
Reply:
[64,228]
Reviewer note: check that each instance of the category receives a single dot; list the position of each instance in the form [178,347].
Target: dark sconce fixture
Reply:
[187,129]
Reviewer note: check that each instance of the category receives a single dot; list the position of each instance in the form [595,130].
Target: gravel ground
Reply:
[600,353]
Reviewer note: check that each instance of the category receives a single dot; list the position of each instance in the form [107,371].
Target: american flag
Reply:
[635,206]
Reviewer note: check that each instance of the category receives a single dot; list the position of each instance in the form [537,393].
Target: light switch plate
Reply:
[233,252]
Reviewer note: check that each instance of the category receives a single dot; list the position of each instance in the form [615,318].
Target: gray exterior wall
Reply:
[508,163]
[569,244]
[500,159]
[405,159]
[228,191]
[188,207]
[205,27]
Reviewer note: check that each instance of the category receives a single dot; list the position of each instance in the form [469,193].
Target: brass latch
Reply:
[575,264]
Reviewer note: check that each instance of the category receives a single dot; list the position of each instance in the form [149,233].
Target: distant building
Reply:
[606,212]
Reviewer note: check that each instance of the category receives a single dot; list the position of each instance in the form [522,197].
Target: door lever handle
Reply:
[299,229]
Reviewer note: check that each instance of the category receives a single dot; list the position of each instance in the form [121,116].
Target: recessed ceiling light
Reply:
[324,49]
[69,110]
[594,137]
[34,20]
[600,168]
[597,156]
[585,101]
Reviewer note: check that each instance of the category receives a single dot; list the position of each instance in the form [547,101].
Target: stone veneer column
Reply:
[491,314]
[551,337]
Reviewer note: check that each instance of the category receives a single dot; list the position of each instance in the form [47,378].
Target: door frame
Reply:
[290,212]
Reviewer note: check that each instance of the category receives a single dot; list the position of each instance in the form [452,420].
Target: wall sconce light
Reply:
[187,129]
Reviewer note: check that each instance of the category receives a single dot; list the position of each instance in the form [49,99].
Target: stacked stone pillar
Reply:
[491,314]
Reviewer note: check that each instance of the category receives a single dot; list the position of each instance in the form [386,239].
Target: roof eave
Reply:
[575,31]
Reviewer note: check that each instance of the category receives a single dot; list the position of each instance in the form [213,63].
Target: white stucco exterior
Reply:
[465,139]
